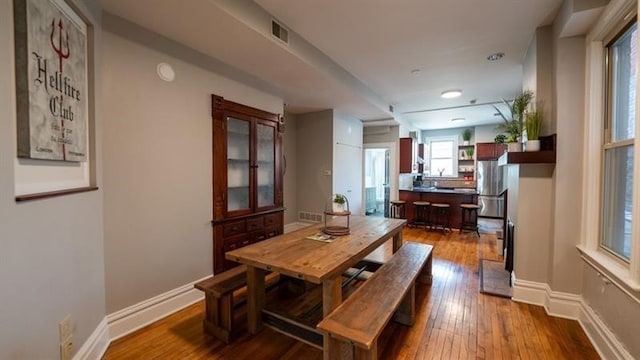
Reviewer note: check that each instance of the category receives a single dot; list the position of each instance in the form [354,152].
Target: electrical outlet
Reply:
[66,349]
[66,328]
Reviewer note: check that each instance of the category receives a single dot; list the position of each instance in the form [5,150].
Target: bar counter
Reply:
[453,197]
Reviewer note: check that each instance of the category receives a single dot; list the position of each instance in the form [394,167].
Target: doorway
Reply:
[377,169]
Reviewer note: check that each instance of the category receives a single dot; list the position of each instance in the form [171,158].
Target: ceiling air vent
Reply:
[279,32]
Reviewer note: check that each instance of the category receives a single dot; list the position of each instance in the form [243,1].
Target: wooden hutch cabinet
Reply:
[247,177]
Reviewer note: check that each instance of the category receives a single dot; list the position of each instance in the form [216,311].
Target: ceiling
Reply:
[362,58]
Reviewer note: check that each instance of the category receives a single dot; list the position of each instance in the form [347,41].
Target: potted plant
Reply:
[466,136]
[533,125]
[513,125]
[338,202]
[469,152]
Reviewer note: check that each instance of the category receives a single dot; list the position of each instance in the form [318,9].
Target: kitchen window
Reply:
[618,147]
[441,155]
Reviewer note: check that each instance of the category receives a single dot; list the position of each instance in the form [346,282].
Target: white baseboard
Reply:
[96,345]
[571,306]
[134,317]
[559,304]
[529,292]
[605,342]
[295,226]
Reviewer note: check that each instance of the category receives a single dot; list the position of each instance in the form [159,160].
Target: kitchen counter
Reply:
[433,189]
[452,196]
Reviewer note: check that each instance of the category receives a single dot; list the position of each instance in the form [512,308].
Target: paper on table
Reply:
[321,237]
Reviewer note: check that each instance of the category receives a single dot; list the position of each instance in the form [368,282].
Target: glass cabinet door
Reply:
[238,164]
[265,152]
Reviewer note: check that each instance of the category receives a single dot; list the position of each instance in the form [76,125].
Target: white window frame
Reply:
[625,275]
[454,154]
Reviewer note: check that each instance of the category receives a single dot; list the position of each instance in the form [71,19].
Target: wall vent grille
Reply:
[279,32]
[309,216]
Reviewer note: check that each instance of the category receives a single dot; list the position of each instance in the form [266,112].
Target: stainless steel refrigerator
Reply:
[490,182]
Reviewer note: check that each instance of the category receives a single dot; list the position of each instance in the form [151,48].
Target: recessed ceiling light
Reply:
[165,72]
[457,120]
[496,56]
[450,94]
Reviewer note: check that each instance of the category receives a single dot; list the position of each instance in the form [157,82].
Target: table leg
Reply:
[255,298]
[397,241]
[331,295]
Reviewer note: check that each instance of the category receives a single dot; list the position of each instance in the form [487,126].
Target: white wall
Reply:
[158,166]
[569,112]
[532,206]
[347,160]
[52,257]
[314,160]
[532,219]
[448,132]
[485,133]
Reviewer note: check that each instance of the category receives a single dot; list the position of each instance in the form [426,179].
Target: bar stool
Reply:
[396,209]
[422,213]
[440,216]
[469,218]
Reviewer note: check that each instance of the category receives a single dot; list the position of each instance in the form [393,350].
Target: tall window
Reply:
[618,144]
[442,159]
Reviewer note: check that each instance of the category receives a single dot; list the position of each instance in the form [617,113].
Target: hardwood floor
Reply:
[453,321]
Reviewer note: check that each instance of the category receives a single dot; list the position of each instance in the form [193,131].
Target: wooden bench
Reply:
[219,300]
[351,331]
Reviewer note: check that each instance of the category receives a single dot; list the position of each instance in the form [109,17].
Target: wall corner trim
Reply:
[572,306]
[134,317]
[97,343]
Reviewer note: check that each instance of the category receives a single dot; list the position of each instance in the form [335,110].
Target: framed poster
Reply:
[51,81]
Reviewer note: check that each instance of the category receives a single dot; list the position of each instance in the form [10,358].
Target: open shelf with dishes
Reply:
[466,162]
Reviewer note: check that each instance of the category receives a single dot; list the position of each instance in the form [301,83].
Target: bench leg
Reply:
[218,320]
[336,349]
[405,314]
[426,274]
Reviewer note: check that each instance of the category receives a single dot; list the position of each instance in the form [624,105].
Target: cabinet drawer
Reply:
[233,228]
[257,236]
[273,219]
[236,242]
[255,223]
[272,231]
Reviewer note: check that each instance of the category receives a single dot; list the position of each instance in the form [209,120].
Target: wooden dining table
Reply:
[318,262]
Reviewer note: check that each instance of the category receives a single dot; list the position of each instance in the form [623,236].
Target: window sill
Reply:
[617,273]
